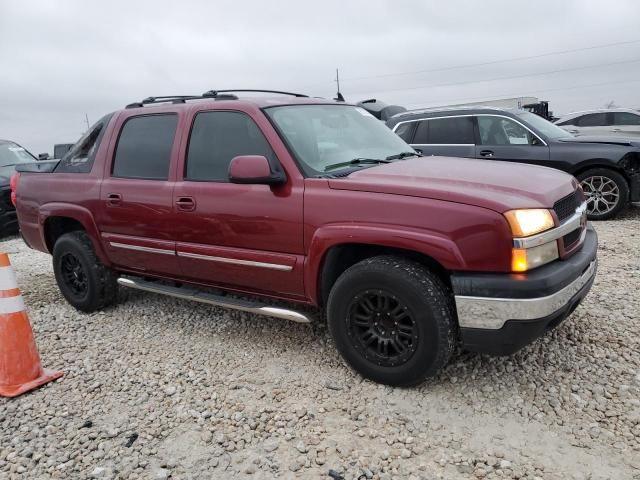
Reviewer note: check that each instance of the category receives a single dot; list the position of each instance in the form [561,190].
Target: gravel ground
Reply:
[160,388]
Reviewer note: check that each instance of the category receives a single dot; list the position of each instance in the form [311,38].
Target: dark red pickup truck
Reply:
[259,204]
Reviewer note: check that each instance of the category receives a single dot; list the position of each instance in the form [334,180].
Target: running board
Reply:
[189,293]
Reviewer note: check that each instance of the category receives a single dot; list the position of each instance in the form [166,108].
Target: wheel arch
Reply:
[340,257]
[58,219]
[594,163]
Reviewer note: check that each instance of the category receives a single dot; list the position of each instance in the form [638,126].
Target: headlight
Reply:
[523,259]
[528,222]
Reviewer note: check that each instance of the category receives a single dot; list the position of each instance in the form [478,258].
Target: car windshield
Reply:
[12,154]
[545,127]
[329,137]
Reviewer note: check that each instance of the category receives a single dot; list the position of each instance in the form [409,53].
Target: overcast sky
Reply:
[62,59]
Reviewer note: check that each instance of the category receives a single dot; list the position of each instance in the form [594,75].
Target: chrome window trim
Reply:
[568,226]
[443,144]
[142,249]
[235,261]
[471,115]
[492,313]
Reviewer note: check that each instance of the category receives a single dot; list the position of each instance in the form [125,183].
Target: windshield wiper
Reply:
[400,156]
[357,161]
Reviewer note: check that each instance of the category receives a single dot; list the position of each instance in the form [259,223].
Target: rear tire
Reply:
[607,193]
[83,280]
[392,320]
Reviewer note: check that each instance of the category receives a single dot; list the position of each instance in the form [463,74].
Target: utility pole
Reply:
[339,96]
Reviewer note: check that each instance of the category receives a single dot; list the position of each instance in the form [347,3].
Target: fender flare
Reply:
[82,215]
[435,245]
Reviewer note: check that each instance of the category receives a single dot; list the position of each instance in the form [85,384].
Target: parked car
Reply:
[318,203]
[60,149]
[11,154]
[616,122]
[608,168]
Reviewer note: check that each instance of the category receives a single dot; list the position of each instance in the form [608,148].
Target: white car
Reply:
[617,121]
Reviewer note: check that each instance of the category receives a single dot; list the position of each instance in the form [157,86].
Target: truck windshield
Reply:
[328,137]
[545,127]
[12,154]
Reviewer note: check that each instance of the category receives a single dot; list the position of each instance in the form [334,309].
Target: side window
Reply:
[422,133]
[144,147]
[405,131]
[80,157]
[625,118]
[504,131]
[217,137]
[592,120]
[451,131]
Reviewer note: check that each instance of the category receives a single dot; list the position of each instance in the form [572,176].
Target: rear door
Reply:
[244,237]
[444,136]
[503,138]
[626,124]
[136,215]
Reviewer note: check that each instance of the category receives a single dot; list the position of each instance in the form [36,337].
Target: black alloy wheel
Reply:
[382,328]
[74,275]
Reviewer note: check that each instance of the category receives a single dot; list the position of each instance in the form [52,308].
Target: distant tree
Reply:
[611,104]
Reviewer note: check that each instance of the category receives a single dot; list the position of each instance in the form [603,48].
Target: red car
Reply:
[247,202]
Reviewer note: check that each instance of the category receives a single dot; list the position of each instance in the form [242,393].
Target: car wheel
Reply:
[83,280]
[607,193]
[392,320]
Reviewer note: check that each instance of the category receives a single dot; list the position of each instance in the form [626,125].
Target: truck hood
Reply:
[622,141]
[499,186]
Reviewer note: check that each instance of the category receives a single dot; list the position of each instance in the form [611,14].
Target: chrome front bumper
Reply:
[493,313]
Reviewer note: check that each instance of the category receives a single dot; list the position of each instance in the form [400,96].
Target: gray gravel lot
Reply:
[160,388]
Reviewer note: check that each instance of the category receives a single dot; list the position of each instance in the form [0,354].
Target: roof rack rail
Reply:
[163,99]
[215,93]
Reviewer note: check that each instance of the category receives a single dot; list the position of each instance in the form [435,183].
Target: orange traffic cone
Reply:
[20,369]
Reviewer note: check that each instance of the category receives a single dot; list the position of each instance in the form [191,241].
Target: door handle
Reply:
[114,199]
[617,130]
[186,204]
[486,153]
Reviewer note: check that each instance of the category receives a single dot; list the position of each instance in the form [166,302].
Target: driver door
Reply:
[502,138]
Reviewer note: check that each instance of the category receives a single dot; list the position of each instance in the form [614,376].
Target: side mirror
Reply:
[418,151]
[253,169]
[43,156]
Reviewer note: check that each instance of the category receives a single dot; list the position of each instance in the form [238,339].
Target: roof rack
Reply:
[214,94]
[163,99]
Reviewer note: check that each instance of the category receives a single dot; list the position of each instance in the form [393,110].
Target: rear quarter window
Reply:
[405,131]
[81,156]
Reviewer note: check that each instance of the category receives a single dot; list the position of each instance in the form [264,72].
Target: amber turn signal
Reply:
[519,261]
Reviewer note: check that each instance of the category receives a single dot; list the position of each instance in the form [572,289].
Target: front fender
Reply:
[437,246]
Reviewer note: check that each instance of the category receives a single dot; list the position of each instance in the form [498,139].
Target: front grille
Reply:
[571,238]
[565,207]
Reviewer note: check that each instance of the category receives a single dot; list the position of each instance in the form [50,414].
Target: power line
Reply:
[549,72]
[480,64]
[494,62]
[520,94]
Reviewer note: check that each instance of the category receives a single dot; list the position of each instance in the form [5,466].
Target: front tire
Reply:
[392,320]
[607,193]
[83,280]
